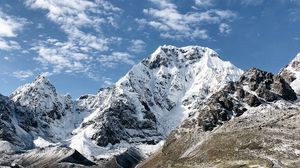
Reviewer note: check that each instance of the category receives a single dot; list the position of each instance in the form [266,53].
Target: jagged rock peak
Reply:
[267,85]
[41,84]
[42,97]
[168,55]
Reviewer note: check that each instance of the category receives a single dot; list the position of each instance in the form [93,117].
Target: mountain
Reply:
[195,107]
[154,97]
[291,73]
[249,123]
[54,114]
[140,110]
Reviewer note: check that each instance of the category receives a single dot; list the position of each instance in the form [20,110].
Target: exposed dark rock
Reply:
[118,123]
[252,100]
[130,158]
[77,158]
[229,101]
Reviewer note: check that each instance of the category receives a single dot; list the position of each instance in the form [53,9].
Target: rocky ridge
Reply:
[222,120]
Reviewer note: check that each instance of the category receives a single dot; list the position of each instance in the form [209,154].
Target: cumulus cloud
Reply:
[137,46]
[171,23]
[9,27]
[23,74]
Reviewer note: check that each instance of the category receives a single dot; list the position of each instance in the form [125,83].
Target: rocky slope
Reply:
[247,123]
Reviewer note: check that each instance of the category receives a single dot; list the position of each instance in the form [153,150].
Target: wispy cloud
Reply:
[112,60]
[9,28]
[8,44]
[61,56]
[137,46]
[224,28]
[204,3]
[23,74]
[74,18]
[171,23]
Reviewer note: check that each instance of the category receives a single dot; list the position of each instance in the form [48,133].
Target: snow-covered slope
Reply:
[291,73]
[155,96]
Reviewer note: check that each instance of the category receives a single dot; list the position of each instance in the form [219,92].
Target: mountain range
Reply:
[179,107]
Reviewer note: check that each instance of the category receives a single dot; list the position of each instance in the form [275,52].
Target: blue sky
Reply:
[83,45]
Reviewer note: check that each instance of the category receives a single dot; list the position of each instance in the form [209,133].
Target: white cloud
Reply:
[173,24]
[116,58]
[137,46]
[224,28]
[9,27]
[204,3]
[78,53]
[22,75]
[6,58]
[8,44]
[73,16]
[46,74]
[61,56]
[107,81]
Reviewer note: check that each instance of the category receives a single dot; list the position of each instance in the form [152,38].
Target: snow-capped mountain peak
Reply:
[143,107]
[168,55]
[291,73]
[155,96]
[41,97]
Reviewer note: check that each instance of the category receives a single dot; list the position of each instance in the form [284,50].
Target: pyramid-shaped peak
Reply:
[168,55]
[42,79]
